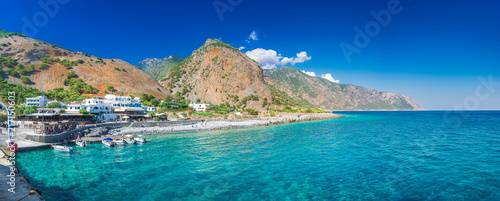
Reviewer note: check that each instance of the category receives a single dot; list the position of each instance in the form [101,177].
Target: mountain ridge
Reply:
[322,93]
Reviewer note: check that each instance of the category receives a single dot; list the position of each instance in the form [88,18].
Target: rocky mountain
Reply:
[158,68]
[95,71]
[218,73]
[318,92]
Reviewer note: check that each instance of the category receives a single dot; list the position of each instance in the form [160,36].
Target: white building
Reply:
[121,101]
[40,101]
[199,106]
[74,108]
[97,105]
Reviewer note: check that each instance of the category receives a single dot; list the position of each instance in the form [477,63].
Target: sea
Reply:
[421,155]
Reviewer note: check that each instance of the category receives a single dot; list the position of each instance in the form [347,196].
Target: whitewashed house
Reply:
[97,105]
[40,101]
[121,101]
[200,107]
[74,108]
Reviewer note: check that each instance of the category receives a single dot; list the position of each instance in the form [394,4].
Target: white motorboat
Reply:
[109,142]
[120,142]
[81,143]
[129,139]
[140,139]
[62,148]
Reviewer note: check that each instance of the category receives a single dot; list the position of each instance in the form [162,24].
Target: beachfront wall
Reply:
[59,137]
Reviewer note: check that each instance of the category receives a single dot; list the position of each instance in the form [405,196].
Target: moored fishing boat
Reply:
[129,139]
[62,148]
[108,142]
[120,142]
[81,143]
[140,139]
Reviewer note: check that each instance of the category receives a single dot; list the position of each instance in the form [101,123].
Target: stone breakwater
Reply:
[222,124]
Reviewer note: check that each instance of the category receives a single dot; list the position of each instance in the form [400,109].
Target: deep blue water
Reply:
[364,156]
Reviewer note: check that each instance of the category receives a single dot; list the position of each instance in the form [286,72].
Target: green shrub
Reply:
[12,72]
[71,74]
[54,105]
[25,79]
[43,65]
[110,88]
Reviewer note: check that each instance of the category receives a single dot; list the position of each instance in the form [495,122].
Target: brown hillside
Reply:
[215,73]
[127,79]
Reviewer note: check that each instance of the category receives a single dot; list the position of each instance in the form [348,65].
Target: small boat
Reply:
[81,143]
[129,139]
[62,148]
[109,142]
[140,139]
[120,142]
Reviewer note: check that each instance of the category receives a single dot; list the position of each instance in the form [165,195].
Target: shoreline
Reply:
[222,124]
[179,126]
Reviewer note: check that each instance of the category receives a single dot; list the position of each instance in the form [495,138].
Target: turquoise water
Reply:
[364,156]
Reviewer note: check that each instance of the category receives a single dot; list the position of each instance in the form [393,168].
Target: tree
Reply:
[251,111]
[20,66]
[43,65]
[3,117]
[155,102]
[146,97]
[169,99]
[12,72]
[71,74]
[54,105]
[84,111]
[25,79]
[198,100]
[110,88]
[132,95]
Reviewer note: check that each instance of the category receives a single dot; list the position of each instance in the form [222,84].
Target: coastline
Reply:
[221,124]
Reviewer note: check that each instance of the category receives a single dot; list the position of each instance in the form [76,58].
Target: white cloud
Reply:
[241,48]
[329,77]
[301,58]
[312,74]
[268,59]
[253,36]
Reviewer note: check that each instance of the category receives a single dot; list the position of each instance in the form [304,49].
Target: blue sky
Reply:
[432,51]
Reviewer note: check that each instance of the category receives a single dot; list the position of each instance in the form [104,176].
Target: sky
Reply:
[443,54]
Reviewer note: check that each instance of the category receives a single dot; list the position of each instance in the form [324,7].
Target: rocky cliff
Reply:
[93,70]
[319,92]
[218,73]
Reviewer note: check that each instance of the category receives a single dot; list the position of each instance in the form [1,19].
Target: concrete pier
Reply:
[22,188]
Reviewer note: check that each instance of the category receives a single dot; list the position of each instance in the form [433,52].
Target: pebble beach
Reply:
[221,124]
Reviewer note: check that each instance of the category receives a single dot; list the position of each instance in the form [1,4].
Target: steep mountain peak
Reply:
[210,41]
[218,73]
